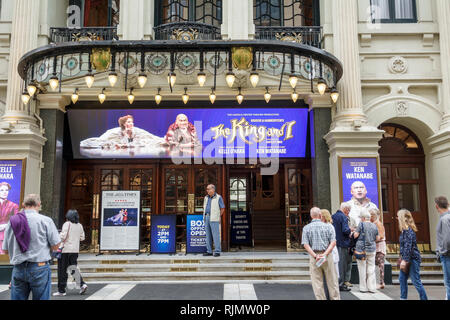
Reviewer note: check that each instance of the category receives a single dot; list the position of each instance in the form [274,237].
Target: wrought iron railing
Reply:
[60,35]
[187,31]
[311,36]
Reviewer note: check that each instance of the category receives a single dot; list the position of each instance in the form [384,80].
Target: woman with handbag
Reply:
[71,234]
[367,234]
[381,245]
[409,261]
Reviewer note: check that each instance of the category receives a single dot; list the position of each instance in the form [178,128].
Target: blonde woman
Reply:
[381,244]
[409,255]
[326,218]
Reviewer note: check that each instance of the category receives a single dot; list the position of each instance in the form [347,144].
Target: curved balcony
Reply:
[311,36]
[60,35]
[187,31]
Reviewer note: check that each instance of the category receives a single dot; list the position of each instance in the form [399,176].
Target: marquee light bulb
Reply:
[131,97]
[112,79]
[31,88]
[212,97]
[54,83]
[293,80]
[172,79]
[322,87]
[267,96]
[201,77]
[75,97]
[89,80]
[334,95]
[142,80]
[158,97]
[240,97]
[230,78]
[185,96]
[294,96]
[254,79]
[102,96]
[25,98]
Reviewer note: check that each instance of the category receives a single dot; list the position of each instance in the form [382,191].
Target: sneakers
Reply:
[59,294]
[216,255]
[344,288]
[83,288]
[348,284]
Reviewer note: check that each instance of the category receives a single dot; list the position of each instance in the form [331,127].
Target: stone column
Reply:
[443,13]
[237,22]
[24,38]
[133,23]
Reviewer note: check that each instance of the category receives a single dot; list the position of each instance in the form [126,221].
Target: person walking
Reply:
[381,245]
[319,239]
[213,210]
[367,234]
[443,239]
[326,218]
[29,238]
[343,242]
[71,234]
[409,256]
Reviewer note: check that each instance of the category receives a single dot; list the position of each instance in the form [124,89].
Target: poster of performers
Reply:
[12,182]
[120,220]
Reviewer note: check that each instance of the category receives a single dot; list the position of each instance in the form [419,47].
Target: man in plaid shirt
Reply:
[319,239]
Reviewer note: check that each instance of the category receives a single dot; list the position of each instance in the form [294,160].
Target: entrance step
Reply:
[430,269]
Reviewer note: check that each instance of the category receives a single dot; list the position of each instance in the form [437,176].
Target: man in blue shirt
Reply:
[213,210]
[443,239]
[343,243]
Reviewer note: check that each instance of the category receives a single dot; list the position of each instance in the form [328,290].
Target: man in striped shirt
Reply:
[319,239]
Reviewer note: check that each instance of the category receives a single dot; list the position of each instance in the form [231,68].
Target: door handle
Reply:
[286,204]
[191,203]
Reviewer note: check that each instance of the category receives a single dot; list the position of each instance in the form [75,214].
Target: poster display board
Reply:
[12,184]
[120,221]
[241,228]
[196,234]
[359,178]
[163,234]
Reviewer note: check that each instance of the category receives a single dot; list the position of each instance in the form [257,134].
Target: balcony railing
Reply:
[187,31]
[60,35]
[311,36]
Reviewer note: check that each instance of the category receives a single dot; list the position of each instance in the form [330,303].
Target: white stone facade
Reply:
[396,73]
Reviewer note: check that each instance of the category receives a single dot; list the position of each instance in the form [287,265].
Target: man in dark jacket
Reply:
[343,243]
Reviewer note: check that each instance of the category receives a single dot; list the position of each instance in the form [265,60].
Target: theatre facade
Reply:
[282,105]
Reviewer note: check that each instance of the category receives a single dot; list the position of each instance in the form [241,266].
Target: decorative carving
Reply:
[291,36]
[402,109]
[242,58]
[101,59]
[185,34]
[398,65]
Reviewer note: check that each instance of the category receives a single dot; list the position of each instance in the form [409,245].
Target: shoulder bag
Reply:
[361,255]
[58,254]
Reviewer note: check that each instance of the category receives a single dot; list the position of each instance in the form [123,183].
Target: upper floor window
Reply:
[393,11]
[204,11]
[286,13]
[98,13]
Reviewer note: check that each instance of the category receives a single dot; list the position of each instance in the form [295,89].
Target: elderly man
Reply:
[29,237]
[343,243]
[319,239]
[359,200]
[443,239]
[213,210]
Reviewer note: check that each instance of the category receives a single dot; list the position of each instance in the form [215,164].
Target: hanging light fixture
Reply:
[172,78]
[142,80]
[294,96]
[321,86]
[212,96]
[334,95]
[25,97]
[31,88]
[267,95]
[75,96]
[131,96]
[54,82]
[112,79]
[201,77]
[230,78]
[102,96]
[254,79]
[185,96]
[293,80]
[240,97]
[158,97]
[89,79]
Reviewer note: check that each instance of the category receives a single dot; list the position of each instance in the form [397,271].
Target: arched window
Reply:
[286,13]
[203,11]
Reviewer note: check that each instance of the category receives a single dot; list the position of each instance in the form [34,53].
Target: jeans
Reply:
[67,259]
[212,233]
[414,273]
[31,277]
[445,261]
[345,265]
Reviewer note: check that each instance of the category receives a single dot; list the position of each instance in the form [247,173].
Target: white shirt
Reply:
[76,234]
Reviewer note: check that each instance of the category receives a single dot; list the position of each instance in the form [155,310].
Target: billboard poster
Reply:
[359,184]
[163,234]
[241,228]
[195,133]
[196,234]
[120,220]
[12,178]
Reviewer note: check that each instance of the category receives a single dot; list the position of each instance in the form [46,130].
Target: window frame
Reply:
[392,18]
[192,12]
[315,16]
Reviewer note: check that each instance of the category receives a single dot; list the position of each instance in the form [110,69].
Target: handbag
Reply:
[405,268]
[361,255]
[58,253]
